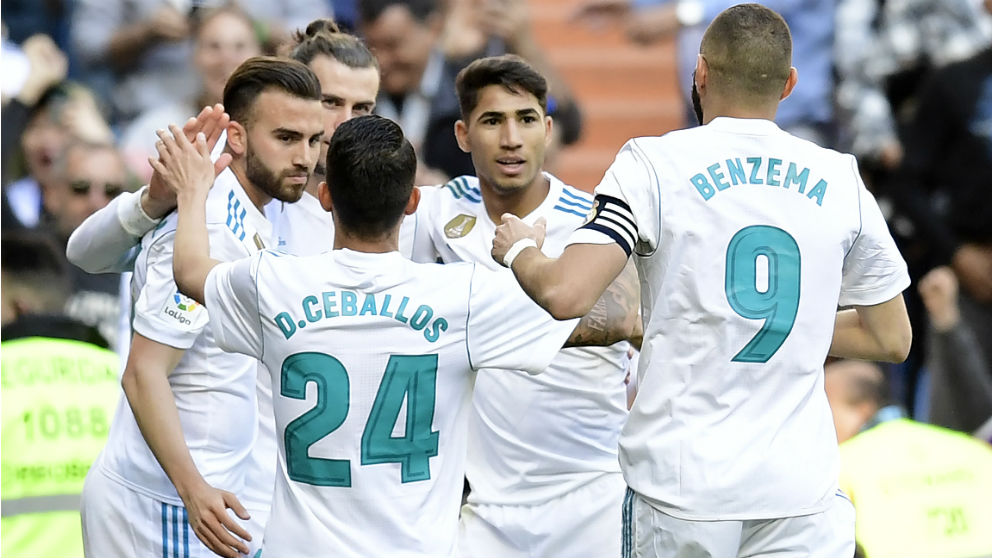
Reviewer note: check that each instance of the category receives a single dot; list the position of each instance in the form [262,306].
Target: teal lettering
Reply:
[702,186]
[818,191]
[420,318]
[349,303]
[384,311]
[329,304]
[368,307]
[772,176]
[755,166]
[431,334]
[285,324]
[736,170]
[399,311]
[717,176]
[311,315]
[792,178]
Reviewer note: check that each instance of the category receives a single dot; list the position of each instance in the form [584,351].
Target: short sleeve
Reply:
[874,270]
[625,209]
[161,312]
[508,330]
[231,295]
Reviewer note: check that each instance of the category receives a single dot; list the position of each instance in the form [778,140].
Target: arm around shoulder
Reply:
[878,332]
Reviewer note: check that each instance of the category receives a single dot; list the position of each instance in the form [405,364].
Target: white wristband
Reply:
[515,250]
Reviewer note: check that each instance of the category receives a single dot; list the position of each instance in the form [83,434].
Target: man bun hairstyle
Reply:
[262,73]
[370,174]
[510,71]
[324,37]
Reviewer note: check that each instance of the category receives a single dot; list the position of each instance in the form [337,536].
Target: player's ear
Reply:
[461,134]
[549,128]
[237,138]
[790,83]
[411,206]
[701,73]
[324,195]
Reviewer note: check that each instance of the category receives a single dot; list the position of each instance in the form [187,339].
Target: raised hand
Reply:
[512,230]
[185,167]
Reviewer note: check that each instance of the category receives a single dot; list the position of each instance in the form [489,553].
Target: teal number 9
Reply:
[778,303]
[407,378]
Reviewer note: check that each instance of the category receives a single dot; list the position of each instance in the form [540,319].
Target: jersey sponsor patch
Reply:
[183,309]
[459,226]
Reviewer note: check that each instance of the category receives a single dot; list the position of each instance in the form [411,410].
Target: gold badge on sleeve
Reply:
[459,226]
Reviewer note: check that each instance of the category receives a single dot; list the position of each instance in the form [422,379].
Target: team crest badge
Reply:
[592,213]
[459,226]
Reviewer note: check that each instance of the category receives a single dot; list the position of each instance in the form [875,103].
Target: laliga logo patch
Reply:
[183,306]
[459,226]
[592,213]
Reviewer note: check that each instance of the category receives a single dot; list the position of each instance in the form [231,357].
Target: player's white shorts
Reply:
[648,532]
[118,521]
[583,523]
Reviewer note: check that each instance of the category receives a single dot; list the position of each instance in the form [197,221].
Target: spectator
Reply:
[919,490]
[224,37]
[807,112]
[87,177]
[54,424]
[960,377]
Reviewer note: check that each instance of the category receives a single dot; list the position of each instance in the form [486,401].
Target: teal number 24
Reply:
[412,378]
[779,303]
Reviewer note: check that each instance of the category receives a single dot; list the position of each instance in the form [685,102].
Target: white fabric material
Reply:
[711,437]
[827,534]
[214,390]
[531,438]
[582,523]
[327,327]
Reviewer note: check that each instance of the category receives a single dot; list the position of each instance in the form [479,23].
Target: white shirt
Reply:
[371,358]
[214,390]
[747,240]
[531,438]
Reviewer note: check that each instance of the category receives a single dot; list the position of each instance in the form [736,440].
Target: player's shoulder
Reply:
[570,203]
[461,191]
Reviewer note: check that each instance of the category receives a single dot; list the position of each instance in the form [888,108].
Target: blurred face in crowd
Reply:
[507,135]
[223,42]
[43,141]
[280,142]
[90,178]
[402,45]
[345,92]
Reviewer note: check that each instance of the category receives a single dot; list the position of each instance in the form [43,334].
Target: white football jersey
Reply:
[214,390]
[531,438]
[371,358]
[747,240]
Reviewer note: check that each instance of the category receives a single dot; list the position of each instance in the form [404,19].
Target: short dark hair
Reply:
[421,10]
[748,50]
[33,262]
[370,173]
[261,73]
[323,37]
[508,70]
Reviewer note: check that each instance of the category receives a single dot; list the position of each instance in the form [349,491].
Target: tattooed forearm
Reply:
[615,316]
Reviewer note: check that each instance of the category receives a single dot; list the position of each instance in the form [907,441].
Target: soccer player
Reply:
[542,453]
[372,362]
[746,240]
[179,447]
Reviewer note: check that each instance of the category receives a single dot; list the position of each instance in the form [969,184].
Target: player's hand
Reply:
[513,229]
[183,166]
[158,199]
[207,508]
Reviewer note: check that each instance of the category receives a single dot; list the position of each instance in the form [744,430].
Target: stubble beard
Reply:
[264,179]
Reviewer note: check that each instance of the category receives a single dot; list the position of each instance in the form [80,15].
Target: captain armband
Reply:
[612,217]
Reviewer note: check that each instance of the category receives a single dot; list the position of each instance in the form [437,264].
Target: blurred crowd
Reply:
[905,85]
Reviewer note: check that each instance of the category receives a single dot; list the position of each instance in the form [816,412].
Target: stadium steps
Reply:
[625,90]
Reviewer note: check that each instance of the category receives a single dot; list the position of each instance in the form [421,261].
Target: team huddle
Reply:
[322,352]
